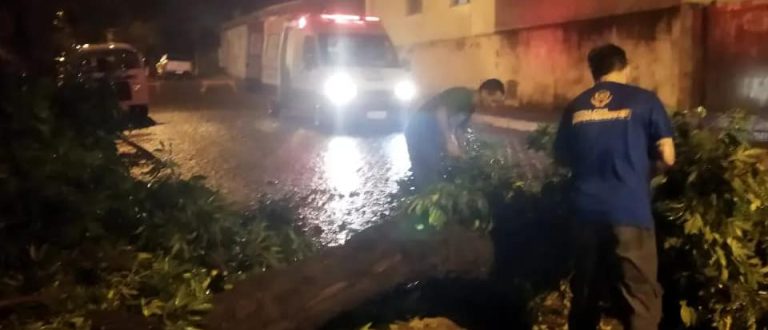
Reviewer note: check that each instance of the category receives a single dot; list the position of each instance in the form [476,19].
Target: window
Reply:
[256,44]
[357,50]
[310,52]
[177,57]
[459,2]
[273,47]
[105,60]
[413,7]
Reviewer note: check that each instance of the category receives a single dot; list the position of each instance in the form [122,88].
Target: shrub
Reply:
[713,220]
[711,213]
[472,189]
[81,236]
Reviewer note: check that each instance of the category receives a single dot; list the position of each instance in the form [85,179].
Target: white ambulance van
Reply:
[335,69]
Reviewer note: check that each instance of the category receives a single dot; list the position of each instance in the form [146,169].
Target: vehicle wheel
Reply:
[322,122]
[330,123]
[139,111]
[317,117]
[253,85]
[138,117]
[274,109]
[401,122]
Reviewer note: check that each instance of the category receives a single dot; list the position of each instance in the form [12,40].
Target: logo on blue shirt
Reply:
[600,113]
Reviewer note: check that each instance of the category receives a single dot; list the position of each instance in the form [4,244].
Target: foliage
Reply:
[425,323]
[542,139]
[486,175]
[551,309]
[445,203]
[711,212]
[81,236]
[712,222]
[488,191]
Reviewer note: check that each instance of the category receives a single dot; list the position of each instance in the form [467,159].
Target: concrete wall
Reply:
[438,20]
[737,57]
[516,14]
[546,66]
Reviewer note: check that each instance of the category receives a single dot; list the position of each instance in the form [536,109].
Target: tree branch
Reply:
[141,150]
[11,302]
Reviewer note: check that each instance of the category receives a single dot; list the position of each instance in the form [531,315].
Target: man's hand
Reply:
[452,147]
[666,147]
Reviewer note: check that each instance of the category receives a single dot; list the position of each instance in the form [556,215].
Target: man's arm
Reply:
[661,133]
[560,147]
[666,147]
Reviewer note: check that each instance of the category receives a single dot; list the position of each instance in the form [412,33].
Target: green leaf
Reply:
[687,314]
[367,326]
[693,224]
[437,218]
[721,256]
[202,307]
[77,321]
[753,153]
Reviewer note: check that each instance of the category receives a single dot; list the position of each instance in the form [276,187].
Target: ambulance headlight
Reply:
[405,91]
[340,89]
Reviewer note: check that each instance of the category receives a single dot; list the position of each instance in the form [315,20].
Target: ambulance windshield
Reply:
[365,50]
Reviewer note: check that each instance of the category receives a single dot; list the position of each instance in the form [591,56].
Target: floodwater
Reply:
[344,182]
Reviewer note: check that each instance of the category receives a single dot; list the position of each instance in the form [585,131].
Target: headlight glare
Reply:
[406,90]
[340,89]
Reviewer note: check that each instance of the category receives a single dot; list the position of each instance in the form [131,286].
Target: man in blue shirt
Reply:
[436,128]
[611,137]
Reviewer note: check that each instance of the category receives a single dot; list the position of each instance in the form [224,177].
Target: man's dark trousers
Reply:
[615,257]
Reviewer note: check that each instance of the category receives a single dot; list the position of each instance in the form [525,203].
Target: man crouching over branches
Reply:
[438,126]
[610,137]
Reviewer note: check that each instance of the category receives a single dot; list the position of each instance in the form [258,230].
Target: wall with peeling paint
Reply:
[516,14]
[437,21]
[546,66]
[691,52]
[737,56]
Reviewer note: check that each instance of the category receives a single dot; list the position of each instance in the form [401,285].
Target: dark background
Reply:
[33,32]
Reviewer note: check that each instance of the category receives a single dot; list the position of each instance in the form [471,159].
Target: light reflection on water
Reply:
[397,152]
[342,162]
[359,175]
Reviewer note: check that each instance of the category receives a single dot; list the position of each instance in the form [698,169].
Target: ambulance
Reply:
[335,68]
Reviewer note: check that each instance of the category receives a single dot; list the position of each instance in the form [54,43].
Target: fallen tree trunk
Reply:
[307,294]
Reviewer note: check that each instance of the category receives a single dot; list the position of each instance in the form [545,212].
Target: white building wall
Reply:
[234,51]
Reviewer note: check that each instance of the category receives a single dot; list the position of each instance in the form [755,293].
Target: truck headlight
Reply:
[405,90]
[340,89]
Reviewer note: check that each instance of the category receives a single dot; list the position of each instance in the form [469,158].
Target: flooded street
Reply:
[344,181]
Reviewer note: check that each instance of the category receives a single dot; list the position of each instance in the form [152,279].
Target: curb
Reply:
[506,122]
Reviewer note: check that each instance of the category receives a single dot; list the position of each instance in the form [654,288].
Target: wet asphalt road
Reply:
[343,180]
